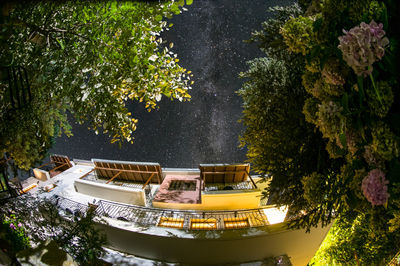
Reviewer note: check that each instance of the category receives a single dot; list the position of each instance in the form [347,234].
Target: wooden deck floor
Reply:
[173,191]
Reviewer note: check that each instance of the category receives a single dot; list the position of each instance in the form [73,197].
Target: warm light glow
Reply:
[232,223]
[171,222]
[203,223]
[276,215]
[26,189]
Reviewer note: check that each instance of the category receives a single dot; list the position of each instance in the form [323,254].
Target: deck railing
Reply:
[395,261]
[208,187]
[181,219]
[69,206]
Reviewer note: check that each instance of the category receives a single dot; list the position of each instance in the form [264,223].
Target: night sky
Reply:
[208,39]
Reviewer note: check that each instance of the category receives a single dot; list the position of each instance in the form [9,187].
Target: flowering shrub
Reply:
[326,79]
[374,187]
[372,158]
[332,72]
[314,65]
[384,142]
[315,84]
[380,106]
[15,233]
[310,110]
[362,46]
[298,34]
[352,87]
[334,150]
[352,141]
[330,120]
[308,79]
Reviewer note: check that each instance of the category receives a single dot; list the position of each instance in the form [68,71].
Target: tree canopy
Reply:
[321,116]
[86,58]
[279,140]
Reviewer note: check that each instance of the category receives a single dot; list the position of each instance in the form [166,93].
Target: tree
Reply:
[87,59]
[76,233]
[280,142]
[350,85]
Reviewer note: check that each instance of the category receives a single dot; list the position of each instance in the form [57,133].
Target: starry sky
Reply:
[208,39]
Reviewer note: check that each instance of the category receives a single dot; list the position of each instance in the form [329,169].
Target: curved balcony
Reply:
[179,219]
[203,237]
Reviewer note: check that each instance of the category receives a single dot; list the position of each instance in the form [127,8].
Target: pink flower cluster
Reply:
[374,187]
[362,46]
[12,226]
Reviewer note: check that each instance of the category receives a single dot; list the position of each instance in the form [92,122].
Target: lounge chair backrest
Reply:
[224,173]
[61,162]
[131,171]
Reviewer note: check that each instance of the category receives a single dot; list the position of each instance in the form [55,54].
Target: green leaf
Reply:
[189,2]
[159,18]
[61,43]
[175,9]
[114,7]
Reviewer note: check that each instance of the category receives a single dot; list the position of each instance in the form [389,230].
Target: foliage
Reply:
[349,95]
[355,111]
[353,241]
[279,141]
[374,187]
[298,34]
[76,233]
[381,105]
[14,233]
[87,59]
[362,46]
[269,39]
[28,143]
[338,115]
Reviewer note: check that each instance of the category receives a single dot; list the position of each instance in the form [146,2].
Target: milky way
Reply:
[208,39]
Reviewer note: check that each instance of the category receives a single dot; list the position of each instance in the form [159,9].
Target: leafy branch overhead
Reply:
[90,58]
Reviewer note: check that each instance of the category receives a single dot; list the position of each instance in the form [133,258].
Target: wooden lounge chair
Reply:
[139,172]
[225,173]
[59,164]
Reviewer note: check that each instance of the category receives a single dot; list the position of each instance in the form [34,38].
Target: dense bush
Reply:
[343,57]
[75,234]
[13,231]
[279,140]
